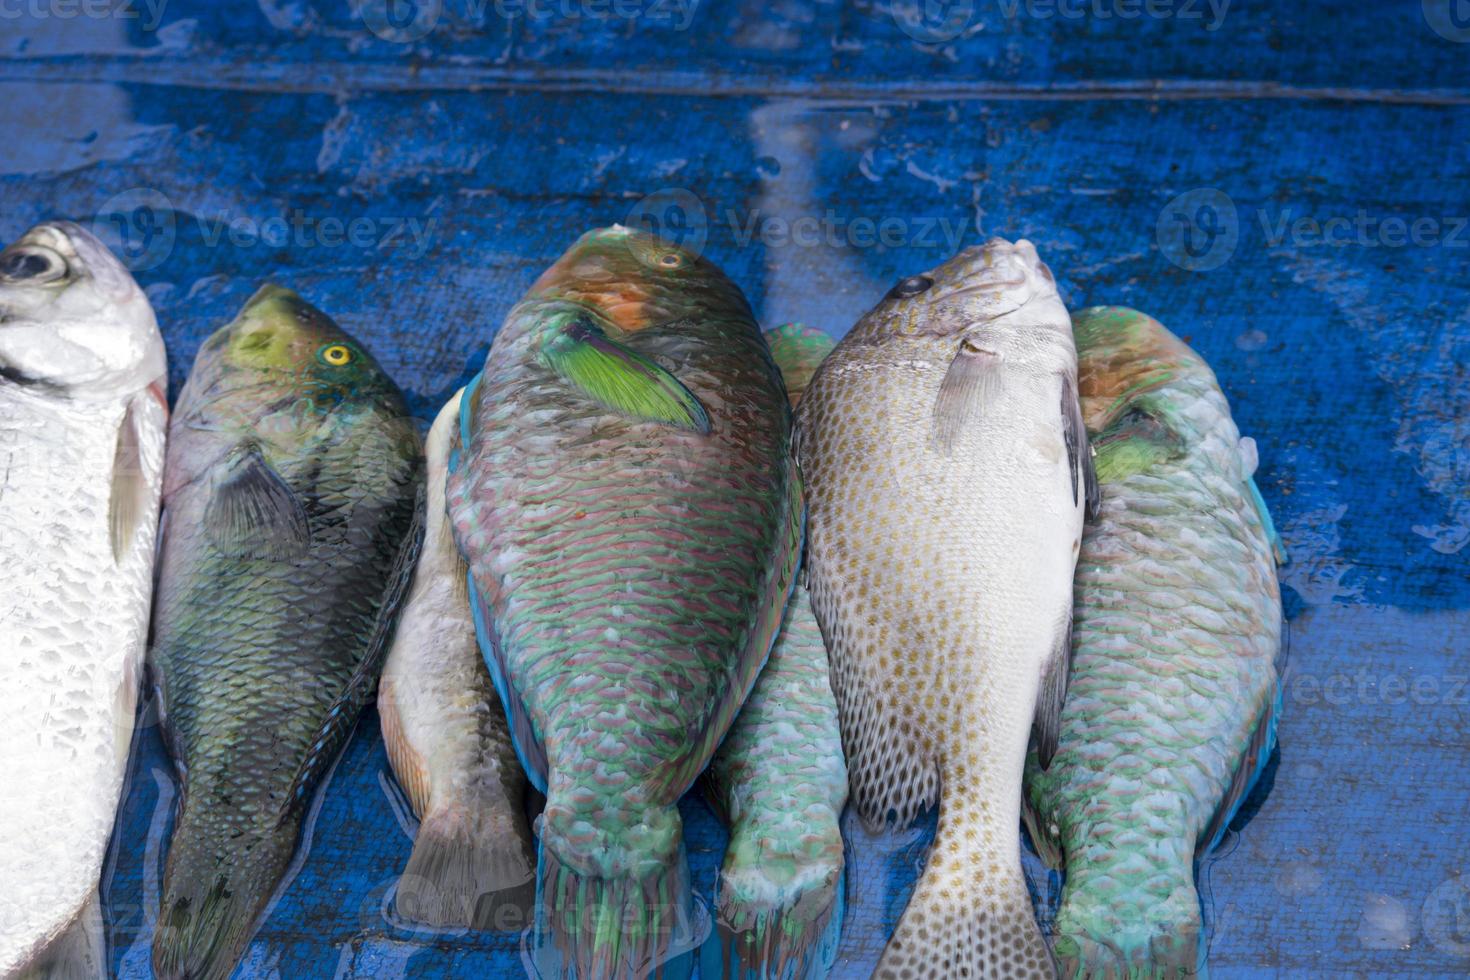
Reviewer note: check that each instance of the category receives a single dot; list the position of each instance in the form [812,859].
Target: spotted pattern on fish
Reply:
[940,570]
[1170,712]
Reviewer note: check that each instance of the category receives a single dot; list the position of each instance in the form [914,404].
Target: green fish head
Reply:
[635,280]
[280,350]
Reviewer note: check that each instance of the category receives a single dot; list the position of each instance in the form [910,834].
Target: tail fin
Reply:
[215,887]
[1106,929]
[614,910]
[970,914]
[466,872]
[780,909]
[79,953]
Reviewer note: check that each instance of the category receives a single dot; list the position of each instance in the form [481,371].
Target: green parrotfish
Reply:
[291,487]
[1171,713]
[625,496]
[780,781]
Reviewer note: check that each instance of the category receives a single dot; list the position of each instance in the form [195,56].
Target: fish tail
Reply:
[1141,921]
[468,872]
[606,911]
[780,908]
[218,879]
[78,953]
[970,914]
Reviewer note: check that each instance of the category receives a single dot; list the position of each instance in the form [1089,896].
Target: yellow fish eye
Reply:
[336,354]
[671,260]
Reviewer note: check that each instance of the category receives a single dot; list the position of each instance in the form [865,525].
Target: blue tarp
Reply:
[1286,186]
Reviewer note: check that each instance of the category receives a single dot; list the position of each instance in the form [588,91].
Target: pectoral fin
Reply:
[1079,453]
[1047,725]
[130,498]
[619,379]
[254,513]
[970,386]
[1134,442]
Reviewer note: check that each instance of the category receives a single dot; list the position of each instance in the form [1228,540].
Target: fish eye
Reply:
[32,264]
[671,260]
[912,286]
[335,354]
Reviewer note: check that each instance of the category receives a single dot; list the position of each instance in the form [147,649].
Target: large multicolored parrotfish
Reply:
[291,490]
[781,783]
[947,471]
[473,862]
[625,496]
[1171,713]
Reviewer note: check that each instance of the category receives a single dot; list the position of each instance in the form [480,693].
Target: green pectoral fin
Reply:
[1136,441]
[620,379]
[253,512]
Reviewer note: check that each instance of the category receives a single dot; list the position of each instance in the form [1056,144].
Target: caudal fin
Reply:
[614,912]
[970,914]
[215,887]
[1141,923]
[79,953]
[780,907]
[466,872]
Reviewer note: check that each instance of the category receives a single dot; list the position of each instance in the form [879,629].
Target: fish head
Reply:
[281,350]
[1000,289]
[72,319]
[635,281]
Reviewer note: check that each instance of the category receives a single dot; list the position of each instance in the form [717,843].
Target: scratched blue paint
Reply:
[211,141]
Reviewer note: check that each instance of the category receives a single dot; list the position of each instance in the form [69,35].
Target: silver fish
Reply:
[947,470]
[473,863]
[82,399]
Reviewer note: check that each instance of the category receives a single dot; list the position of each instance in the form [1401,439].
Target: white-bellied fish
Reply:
[82,420]
[947,471]
[473,863]
[1171,715]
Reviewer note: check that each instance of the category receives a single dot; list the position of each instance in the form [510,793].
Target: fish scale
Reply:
[263,661]
[1176,631]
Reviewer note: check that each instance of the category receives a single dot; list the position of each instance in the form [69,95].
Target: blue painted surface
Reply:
[215,142]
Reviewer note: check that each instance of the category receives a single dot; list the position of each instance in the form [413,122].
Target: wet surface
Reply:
[1288,190]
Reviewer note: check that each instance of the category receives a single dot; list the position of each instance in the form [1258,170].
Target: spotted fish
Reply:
[1172,709]
[82,420]
[289,536]
[947,473]
[624,494]
[780,781]
[473,861]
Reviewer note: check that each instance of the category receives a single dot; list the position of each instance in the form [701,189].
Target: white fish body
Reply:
[947,473]
[82,422]
[473,863]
